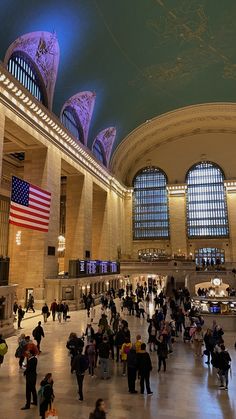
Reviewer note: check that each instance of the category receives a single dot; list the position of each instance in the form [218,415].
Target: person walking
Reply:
[45,395]
[132,369]
[21,314]
[162,352]
[90,352]
[65,311]
[103,352]
[3,349]
[45,312]
[80,365]
[60,310]
[53,309]
[197,338]
[124,352]
[21,349]
[224,360]
[99,411]
[119,340]
[38,334]
[209,344]
[144,369]
[31,377]
[30,304]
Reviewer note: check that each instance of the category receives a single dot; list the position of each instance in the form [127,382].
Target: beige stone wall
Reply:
[30,262]
[231,201]
[100,233]
[177,214]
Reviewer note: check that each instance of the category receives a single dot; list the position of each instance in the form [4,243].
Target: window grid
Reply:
[150,205]
[23,70]
[70,122]
[98,153]
[206,202]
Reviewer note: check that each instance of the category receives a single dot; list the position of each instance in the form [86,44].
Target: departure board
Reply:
[82,268]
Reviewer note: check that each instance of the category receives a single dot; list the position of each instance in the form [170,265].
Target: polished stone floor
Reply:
[189,389]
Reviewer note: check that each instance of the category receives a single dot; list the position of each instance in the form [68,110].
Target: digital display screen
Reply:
[82,266]
[91,267]
[113,267]
[103,267]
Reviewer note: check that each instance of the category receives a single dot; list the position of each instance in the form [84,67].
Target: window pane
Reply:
[150,205]
[206,203]
[21,67]
[69,121]
[98,153]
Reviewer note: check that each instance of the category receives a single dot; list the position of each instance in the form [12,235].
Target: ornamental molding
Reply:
[172,126]
[43,49]
[19,100]
[83,104]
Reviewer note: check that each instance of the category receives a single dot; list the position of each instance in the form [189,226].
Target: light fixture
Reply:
[61,243]
[18,238]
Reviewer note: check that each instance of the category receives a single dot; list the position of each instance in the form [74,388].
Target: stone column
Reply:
[100,233]
[30,262]
[2,130]
[177,216]
[231,202]
[126,249]
[79,195]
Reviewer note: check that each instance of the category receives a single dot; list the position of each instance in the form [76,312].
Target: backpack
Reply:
[34,333]
[41,397]
[3,348]
[84,364]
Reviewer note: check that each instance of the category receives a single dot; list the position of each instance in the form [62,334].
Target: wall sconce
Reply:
[18,238]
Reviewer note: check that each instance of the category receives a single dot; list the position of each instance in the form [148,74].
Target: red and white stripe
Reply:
[36,215]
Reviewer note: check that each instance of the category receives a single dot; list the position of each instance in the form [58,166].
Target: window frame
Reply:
[164,231]
[205,202]
[77,125]
[38,81]
[100,145]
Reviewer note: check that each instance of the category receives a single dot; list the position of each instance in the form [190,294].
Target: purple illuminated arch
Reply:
[43,49]
[83,104]
[106,138]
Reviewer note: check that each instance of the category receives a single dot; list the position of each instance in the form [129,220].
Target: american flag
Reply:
[30,205]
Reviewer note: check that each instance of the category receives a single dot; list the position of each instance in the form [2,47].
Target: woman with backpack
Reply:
[90,352]
[3,349]
[45,395]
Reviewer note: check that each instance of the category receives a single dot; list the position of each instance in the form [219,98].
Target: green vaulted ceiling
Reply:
[141,57]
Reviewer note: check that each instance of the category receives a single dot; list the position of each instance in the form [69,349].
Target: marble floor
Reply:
[188,389]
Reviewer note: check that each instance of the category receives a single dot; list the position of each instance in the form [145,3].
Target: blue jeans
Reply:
[104,362]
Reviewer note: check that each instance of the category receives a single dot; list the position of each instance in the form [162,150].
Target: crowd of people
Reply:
[93,352]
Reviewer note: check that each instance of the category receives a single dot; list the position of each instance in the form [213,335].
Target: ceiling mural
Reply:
[43,48]
[83,104]
[143,58]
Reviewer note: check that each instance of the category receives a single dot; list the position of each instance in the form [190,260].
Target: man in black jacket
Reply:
[144,368]
[38,333]
[104,351]
[80,365]
[224,366]
[31,377]
[119,340]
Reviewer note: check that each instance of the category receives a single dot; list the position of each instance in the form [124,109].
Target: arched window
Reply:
[206,201]
[25,71]
[98,152]
[150,205]
[71,121]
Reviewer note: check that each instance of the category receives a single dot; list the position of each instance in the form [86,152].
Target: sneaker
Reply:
[150,393]
[221,387]
[226,388]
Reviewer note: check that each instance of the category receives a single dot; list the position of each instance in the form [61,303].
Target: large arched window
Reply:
[71,121]
[25,71]
[98,152]
[150,205]
[206,201]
